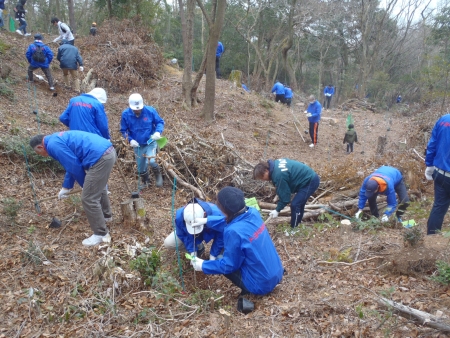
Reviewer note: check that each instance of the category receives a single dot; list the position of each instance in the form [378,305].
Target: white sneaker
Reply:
[97,239]
[108,219]
[311,145]
[19,32]
[52,88]
[27,34]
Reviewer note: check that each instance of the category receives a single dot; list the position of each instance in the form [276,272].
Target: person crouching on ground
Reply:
[250,259]
[198,222]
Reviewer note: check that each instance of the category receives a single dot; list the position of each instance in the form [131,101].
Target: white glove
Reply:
[40,77]
[358,213]
[197,263]
[81,68]
[194,253]
[212,258]
[156,136]
[428,172]
[273,214]
[308,115]
[63,193]
[200,221]
[134,144]
[56,40]
[384,219]
[306,112]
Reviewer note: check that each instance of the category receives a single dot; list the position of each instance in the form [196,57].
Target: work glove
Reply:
[306,112]
[156,136]
[273,214]
[197,263]
[212,258]
[428,173]
[199,221]
[358,213]
[134,144]
[194,253]
[384,219]
[40,77]
[63,193]
[308,115]
[56,40]
[81,68]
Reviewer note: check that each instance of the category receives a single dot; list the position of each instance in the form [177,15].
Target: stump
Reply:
[133,212]
[381,144]
[236,78]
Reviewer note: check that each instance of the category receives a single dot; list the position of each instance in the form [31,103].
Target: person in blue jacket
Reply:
[437,160]
[250,259]
[313,113]
[289,177]
[43,64]
[288,95]
[386,181]
[278,89]
[86,113]
[219,51]
[2,7]
[245,88]
[88,159]
[69,59]
[328,91]
[141,126]
[198,222]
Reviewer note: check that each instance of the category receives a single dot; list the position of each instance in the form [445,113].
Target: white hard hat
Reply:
[99,94]
[136,102]
[190,213]
[174,61]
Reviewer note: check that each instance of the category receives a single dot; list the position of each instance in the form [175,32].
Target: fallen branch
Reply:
[196,191]
[415,151]
[348,264]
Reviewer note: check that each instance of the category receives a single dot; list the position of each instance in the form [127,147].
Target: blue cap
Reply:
[371,188]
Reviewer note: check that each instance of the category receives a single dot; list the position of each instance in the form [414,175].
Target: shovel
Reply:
[53,197]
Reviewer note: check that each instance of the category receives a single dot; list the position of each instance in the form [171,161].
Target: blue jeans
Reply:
[147,150]
[23,26]
[299,201]
[441,203]
[400,190]
[236,279]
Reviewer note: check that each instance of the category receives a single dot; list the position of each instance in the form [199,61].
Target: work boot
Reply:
[158,176]
[145,180]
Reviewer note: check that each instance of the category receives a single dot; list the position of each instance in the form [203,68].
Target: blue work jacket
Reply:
[141,128]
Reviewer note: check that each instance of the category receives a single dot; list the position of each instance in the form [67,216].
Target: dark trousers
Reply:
[23,25]
[400,190]
[327,101]
[218,74]
[46,71]
[314,131]
[299,201]
[441,203]
[279,98]
[236,278]
[349,147]
[288,101]
[71,42]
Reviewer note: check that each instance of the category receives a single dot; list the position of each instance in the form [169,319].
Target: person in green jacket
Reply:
[350,138]
[289,177]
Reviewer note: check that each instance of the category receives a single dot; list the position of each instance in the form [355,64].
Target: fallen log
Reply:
[196,191]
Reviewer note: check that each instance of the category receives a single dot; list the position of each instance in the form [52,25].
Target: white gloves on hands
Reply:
[197,263]
[428,172]
[358,213]
[274,214]
[134,144]
[63,193]
[212,258]
[306,112]
[156,136]
[308,115]
[56,40]
[200,221]
[81,68]
[384,219]
[40,77]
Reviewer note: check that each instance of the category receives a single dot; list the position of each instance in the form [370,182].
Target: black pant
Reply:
[349,147]
[441,202]
[400,190]
[218,75]
[46,71]
[236,278]
[327,101]
[279,98]
[314,131]
[288,101]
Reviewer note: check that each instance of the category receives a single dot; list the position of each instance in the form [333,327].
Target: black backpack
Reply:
[39,55]
[65,30]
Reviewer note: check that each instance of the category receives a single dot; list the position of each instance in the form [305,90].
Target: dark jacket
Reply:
[350,136]
[2,4]
[47,51]
[93,31]
[69,57]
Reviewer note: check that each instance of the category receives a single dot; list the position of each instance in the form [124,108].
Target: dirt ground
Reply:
[51,286]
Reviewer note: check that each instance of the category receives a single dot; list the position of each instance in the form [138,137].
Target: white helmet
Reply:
[174,61]
[136,102]
[99,94]
[190,213]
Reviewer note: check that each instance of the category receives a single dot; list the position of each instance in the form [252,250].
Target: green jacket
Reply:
[288,176]
[350,136]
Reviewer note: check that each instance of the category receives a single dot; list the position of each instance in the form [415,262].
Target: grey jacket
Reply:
[69,57]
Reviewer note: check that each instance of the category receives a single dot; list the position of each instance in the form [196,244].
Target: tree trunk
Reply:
[187,23]
[72,22]
[287,45]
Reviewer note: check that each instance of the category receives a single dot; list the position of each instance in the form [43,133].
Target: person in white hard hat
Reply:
[141,126]
[198,222]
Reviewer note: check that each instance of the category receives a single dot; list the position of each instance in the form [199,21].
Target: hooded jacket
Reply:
[288,176]
[438,145]
[66,34]
[142,127]
[315,109]
[69,57]
[86,113]
[392,177]
[219,49]
[328,90]
[278,88]
[350,136]
[77,151]
[47,52]
[213,229]
[288,94]
[2,4]
[249,248]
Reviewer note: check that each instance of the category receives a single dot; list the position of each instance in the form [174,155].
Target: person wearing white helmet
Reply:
[141,126]
[196,223]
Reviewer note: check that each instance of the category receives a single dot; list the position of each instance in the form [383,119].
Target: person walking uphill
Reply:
[387,181]
[437,160]
[328,91]
[219,52]
[288,94]
[313,114]
[141,126]
[250,259]
[278,89]
[39,56]
[87,159]
[63,30]
[198,222]
[20,16]
[69,59]
[289,177]
[350,138]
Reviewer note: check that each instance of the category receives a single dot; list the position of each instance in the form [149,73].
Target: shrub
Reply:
[443,273]
[147,264]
